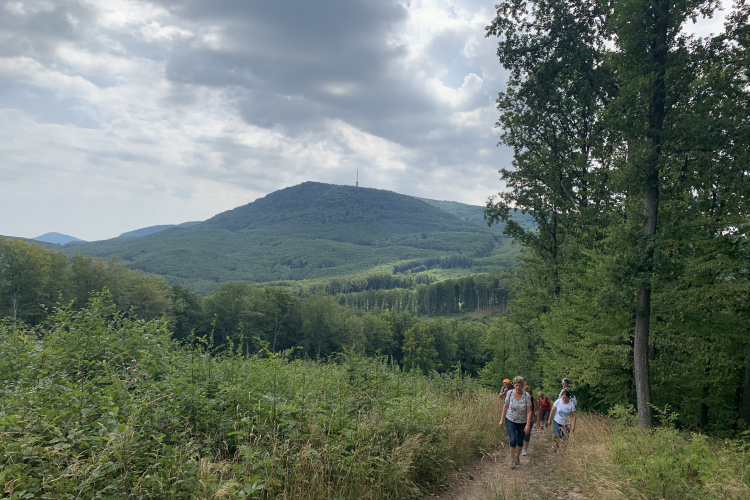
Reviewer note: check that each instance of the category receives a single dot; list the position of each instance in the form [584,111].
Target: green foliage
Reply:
[96,404]
[630,156]
[451,296]
[420,353]
[670,464]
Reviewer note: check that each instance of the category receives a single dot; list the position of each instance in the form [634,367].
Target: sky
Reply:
[122,114]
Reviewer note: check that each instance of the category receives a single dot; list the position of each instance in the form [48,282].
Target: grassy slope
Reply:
[307,232]
[120,410]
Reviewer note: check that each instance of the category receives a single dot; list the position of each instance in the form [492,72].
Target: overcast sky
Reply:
[121,114]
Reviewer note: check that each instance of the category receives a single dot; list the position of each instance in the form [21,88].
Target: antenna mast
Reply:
[357,183]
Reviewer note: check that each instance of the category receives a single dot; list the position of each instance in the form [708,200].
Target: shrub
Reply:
[96,404]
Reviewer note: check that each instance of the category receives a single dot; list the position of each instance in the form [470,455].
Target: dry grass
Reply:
[588,461]
[474,427]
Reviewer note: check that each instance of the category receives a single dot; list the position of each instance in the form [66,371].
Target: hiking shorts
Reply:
[563,431]
[515,433]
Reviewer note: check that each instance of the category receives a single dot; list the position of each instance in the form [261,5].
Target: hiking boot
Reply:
[524,452]
[513,464]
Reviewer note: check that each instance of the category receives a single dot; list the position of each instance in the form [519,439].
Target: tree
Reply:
[24,273]
[419,349]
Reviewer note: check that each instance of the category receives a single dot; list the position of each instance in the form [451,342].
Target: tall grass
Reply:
[613,459]
[98,405]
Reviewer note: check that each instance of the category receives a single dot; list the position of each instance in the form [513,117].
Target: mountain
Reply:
[154,229]
[312,231]
[57,238]
[475,214]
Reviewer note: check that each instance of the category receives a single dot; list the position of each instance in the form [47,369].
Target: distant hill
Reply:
[312,231]
[154,229]
[57,238]
[475,214]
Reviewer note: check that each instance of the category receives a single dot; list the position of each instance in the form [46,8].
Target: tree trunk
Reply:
[640,357]
[657,107]
[745,408]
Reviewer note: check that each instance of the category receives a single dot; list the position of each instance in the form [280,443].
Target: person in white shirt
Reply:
[563,418]
[566,385]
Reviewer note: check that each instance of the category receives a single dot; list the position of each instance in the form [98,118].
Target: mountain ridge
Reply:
[312,231]
[57,238]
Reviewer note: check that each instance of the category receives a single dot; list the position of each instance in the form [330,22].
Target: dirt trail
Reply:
[491,478]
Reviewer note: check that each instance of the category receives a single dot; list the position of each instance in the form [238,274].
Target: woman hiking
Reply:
[534,418]
[516,417]
[544,409]
[563,418]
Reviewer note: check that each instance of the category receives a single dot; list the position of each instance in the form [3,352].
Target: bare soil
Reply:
[538,477]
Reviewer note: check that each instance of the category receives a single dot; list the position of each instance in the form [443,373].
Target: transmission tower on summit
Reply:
[356,184]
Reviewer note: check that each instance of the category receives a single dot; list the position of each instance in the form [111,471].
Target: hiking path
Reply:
[491,478]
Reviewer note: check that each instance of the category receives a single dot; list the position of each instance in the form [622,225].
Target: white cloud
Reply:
[167,151]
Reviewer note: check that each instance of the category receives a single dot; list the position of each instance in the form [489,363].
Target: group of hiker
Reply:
[522,411]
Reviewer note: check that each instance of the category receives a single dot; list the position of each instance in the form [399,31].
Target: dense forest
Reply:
[631,154]
[36,282]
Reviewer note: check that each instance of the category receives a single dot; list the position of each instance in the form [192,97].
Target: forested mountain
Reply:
[155,229]
[57,238]
[312,231]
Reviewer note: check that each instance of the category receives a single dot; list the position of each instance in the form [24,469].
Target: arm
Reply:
[551,415]
[529,413]
[502,417]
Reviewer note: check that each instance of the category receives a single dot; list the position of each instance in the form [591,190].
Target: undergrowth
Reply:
[611,458]
[95,404]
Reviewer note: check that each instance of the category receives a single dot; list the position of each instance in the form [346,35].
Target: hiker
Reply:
[563,418]
[516,417]
[534,418]
[566,385]
[544,409]
[507,386]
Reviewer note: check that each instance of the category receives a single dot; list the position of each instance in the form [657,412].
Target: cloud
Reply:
[136,113]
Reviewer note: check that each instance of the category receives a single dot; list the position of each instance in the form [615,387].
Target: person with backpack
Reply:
[507,386]
[562,418]
[534,418]
[544,409]
[516,417]
[566,385]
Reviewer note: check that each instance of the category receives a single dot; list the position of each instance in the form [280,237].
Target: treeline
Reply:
[631,141]
[35,281]
[444,262]
[453,296]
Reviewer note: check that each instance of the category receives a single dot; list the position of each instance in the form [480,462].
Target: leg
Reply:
[512,441]
[526,439]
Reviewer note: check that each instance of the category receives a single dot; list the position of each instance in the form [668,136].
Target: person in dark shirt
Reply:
[544,408]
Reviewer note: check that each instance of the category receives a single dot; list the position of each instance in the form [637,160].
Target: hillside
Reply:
[310,231]
[155,229]
[57,238]
[475,214]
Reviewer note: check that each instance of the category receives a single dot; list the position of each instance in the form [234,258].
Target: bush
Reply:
[99,405]
[665,463]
